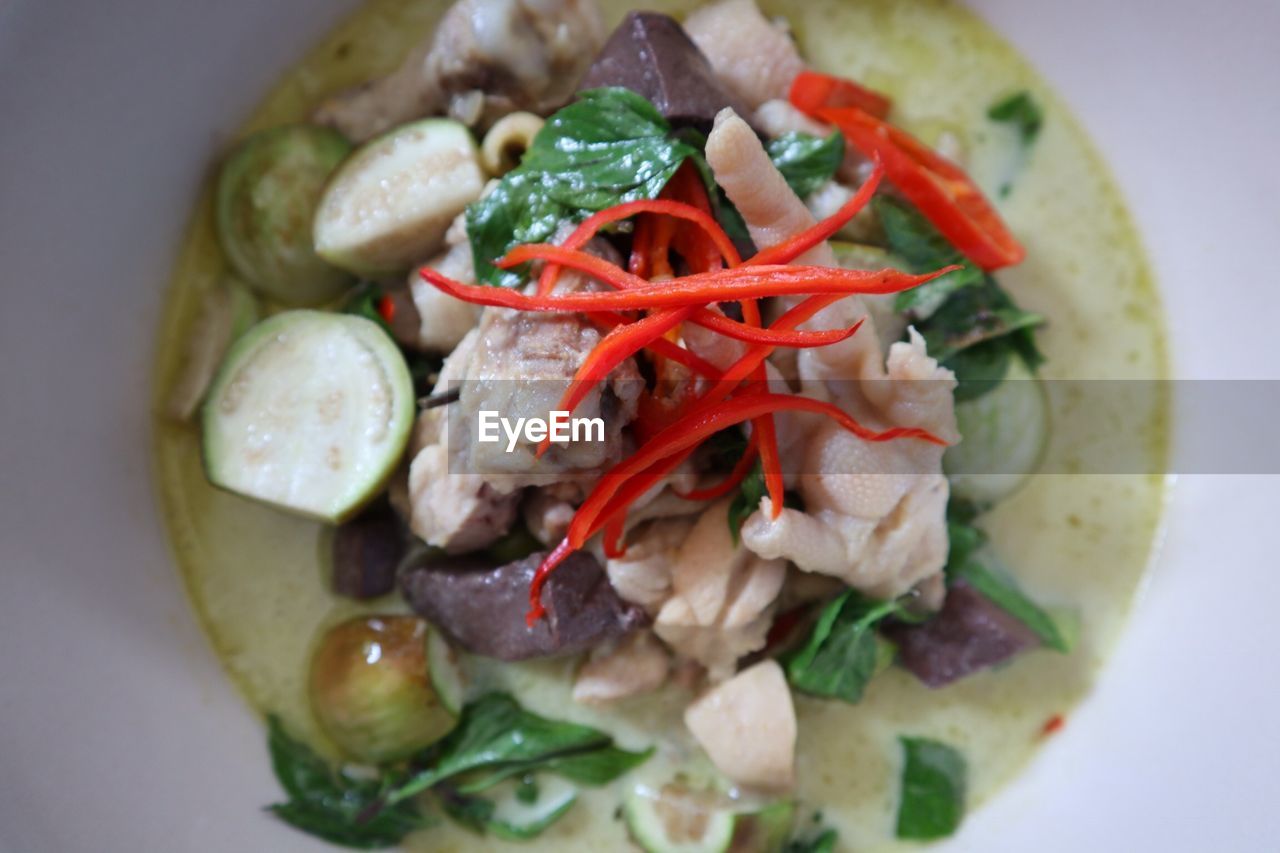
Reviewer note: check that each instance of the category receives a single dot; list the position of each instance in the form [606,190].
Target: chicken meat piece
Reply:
[643,574]
[449,507]
[637,664]
[779,117]
[875,512]
[487,58]
[723,596]
[517,364]
[754,57]
[743,168]
[747,726]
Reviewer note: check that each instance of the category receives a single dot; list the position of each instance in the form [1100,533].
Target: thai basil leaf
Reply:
[914,239]
[1021,111]
[1001,590]
[841,654]
[599,766]
[746,500]
[806,161]
[608,147]
[596,767]
[494,732]
[933,789]
[332,805]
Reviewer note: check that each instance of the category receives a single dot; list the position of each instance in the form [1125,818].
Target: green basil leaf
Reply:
[963,563]
[931,804]
[914,239]
[1021,111]
[595,767]
[1023,114]
[746,500]
[363,302]
[806,161]
[608,147]
[599,766]
[960,310]
[495,731]
[841,654]
[330,804]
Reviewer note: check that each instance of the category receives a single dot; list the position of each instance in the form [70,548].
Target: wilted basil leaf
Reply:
[933,789]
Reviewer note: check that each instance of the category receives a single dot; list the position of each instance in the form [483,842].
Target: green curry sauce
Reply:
[256,576]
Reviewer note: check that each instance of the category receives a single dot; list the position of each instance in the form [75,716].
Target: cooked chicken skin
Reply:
[722,598]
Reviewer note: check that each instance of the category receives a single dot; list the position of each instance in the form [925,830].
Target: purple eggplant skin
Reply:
[967,635]
[650,54]
[366,552]
[481,607]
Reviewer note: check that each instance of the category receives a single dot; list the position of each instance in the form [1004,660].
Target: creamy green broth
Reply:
[256,576]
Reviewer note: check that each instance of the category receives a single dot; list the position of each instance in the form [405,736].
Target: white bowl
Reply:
[118,730]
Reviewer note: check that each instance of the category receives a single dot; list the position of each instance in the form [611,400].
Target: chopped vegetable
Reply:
[268,193]
[389,205]
[806,161]
[371,690]
[340,808]
[608,147]
[932,799]
[841,654]
[677,820]
[317,443]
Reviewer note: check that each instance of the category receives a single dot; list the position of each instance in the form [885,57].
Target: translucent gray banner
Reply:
[1049,426]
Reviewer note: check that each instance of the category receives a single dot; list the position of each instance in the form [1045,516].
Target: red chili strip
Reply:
[811,91]
[683,435]
[940,189]
[592,225]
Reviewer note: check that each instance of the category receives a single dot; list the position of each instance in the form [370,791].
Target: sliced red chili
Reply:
[812,90]
[935,185]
